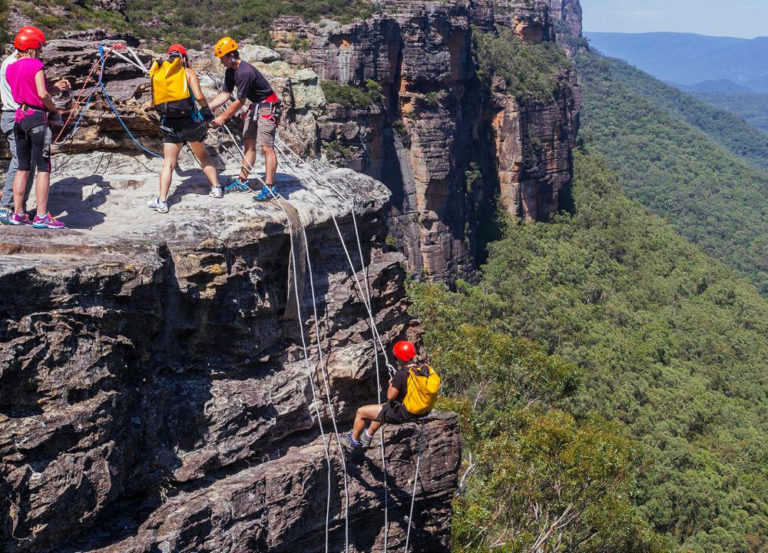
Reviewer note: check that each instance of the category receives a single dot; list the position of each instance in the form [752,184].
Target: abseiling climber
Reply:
[261,120]
[175,88]
[411,395]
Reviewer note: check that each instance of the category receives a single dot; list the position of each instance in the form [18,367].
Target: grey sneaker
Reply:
[4,214]
[349,443]
[365,440]
[159,206]
[216,192]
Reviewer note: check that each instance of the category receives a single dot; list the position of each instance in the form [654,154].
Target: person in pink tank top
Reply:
[29,88]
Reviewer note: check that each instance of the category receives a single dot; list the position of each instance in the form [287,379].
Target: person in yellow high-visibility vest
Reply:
[411,395]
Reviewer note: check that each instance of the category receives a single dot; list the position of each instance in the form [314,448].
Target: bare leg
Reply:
[249,147]
[364,414]
[19,182]
[41,192]
[198,148]
[170,157]
[270,163]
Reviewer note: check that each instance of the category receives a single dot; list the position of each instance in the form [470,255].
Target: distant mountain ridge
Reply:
[689,59]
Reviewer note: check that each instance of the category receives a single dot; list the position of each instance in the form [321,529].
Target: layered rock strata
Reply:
[153,389]
[443,145]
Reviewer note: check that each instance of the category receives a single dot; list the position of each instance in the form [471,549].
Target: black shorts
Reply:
[33,142]
[395,413]
[182,130]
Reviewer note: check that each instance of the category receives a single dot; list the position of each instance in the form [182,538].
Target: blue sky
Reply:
[739,18]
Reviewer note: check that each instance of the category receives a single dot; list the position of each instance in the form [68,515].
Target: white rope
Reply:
[249,167]
[324,374]
[365,293]
[413,493]
[374,333]
[129,60]
[136,57]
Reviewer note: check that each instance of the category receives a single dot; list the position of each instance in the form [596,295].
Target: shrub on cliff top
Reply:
[349,96]
[530,71]
[196,24]
[4,36]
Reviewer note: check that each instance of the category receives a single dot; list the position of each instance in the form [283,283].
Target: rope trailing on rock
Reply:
[415,480]
[374,330]
[292,262]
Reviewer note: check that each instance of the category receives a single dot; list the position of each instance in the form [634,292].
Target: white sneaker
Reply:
[216,192]
[159,206]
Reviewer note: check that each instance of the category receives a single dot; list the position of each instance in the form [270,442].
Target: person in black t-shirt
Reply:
[392,411]
[262,120]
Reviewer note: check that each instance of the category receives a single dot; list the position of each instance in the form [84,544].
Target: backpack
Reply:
[170,91]
[421,393]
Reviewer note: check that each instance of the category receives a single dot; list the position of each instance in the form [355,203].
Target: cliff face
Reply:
[153,390]
[443,145]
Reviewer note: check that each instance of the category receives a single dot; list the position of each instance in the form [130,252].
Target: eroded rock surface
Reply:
[432,136]
[153,390]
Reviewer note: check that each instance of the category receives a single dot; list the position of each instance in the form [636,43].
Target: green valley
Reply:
[674,160]
[655,393]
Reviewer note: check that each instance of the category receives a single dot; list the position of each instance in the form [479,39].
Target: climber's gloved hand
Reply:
[207,114]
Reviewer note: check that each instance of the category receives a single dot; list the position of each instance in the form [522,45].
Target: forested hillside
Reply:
[666,345]
[725,128]
[752,107]
[710,195]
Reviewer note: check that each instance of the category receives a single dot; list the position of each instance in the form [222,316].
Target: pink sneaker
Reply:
[19,219]
[47,221]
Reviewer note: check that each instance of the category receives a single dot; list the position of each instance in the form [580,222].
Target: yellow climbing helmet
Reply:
[224,46]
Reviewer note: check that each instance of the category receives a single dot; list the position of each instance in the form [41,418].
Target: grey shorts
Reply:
[262,127]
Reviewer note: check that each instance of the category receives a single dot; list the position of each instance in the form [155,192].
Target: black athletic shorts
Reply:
[182,130]
[33,142]
[395,412]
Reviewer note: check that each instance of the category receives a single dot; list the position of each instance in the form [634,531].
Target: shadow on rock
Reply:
[68,195]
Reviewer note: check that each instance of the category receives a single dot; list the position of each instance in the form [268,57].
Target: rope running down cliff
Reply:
[421,432]
[366,299]
[292,262]
[367,302]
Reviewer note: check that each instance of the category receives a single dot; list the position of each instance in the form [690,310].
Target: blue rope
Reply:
[82,113]
[114,109]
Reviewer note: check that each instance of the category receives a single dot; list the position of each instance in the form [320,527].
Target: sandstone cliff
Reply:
[444,146]
[153,390]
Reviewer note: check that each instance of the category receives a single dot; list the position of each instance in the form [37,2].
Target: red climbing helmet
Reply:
[404,351]
[177,50]
[28,37]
